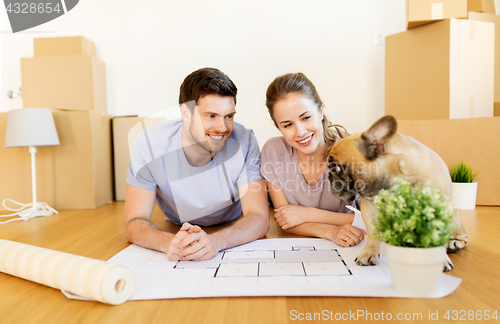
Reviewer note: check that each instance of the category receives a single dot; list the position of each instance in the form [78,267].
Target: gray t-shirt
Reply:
[279,166]
[206,195]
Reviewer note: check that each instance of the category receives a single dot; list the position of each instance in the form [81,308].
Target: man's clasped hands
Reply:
[192,243]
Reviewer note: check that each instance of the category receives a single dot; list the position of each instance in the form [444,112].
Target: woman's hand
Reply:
[347,235]
[289,216]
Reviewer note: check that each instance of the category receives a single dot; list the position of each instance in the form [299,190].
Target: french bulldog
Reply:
[364,163]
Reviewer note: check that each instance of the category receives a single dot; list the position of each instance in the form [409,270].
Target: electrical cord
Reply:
[40,209]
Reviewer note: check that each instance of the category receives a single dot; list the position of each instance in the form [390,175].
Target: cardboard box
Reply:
[478,16]
[83,176]
[57,46]
[125,131]
[497,109]
[475,141]
[441,70]
[76,82]
[73,175]
[421,12]
[486,6]
[489,6]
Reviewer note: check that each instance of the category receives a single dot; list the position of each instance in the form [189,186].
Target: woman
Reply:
[294,165]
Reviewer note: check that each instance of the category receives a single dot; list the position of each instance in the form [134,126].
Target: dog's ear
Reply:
[338,131]
[379,133]
[342,132]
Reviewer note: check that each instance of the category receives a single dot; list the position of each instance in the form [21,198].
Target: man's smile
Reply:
[216,137]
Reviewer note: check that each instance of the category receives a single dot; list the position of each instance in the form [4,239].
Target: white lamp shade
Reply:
[31,127]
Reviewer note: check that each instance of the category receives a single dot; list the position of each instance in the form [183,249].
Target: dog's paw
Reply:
[457,243]
[367,259]
[448,265]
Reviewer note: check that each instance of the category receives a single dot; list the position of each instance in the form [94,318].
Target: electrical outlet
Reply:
[380,35]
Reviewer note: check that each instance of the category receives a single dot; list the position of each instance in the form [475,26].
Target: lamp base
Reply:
[38,209]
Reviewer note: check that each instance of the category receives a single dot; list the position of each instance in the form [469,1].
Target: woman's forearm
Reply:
[317,215]
[325,231]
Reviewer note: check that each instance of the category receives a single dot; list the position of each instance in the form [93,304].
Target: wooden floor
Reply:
[98,234]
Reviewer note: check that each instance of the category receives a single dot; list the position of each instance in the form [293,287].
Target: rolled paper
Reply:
[94,279]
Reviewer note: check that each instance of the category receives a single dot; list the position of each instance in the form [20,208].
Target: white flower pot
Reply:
[415,272]
[463,195]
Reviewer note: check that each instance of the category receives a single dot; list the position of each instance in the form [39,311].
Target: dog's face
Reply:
[358,168]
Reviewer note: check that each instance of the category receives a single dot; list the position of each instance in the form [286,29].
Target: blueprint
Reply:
[272,267]
[268,267]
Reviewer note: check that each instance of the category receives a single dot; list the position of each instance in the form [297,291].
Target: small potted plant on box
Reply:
[416,224]
[464,186]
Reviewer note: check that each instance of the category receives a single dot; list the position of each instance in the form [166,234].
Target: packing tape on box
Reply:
[85,277]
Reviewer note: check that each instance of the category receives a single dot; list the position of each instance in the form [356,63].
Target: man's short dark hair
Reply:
[204,82]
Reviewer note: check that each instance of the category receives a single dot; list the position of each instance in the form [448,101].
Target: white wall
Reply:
[150,46]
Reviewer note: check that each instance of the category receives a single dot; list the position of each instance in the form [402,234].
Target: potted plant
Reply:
[464,188]
[416,224]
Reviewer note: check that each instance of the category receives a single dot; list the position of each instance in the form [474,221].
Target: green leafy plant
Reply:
[462,172]
[420,216]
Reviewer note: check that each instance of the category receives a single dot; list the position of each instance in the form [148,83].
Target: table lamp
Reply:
[30,127]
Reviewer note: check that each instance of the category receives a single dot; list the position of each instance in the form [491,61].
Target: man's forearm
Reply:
[246,229]
[145,233]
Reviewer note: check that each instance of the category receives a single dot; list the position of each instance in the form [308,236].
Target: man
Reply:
[202,170]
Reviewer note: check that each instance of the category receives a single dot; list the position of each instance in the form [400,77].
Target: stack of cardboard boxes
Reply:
[442,83]
[66,76]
